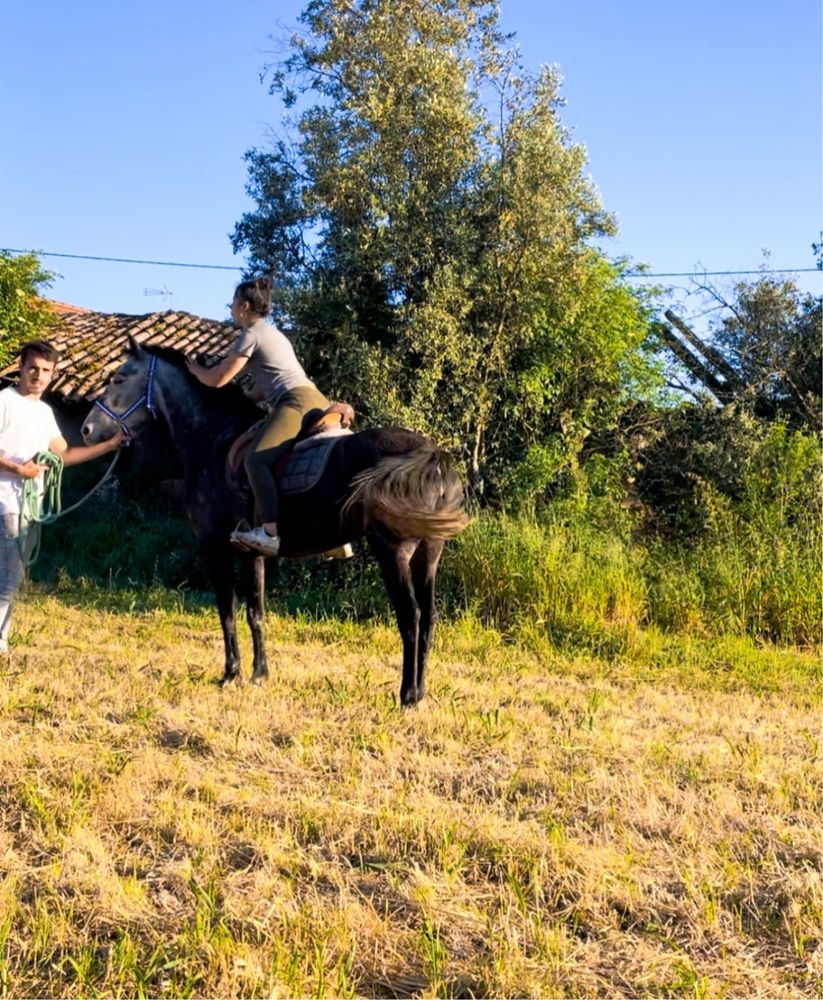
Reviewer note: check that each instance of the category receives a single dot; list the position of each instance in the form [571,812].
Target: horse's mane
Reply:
[228,400]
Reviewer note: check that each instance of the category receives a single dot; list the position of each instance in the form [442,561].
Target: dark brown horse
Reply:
[392,485]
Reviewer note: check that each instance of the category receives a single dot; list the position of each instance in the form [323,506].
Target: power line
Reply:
[125,260]
[713,274]
[236,267]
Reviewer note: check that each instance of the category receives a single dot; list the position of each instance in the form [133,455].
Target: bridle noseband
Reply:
[147,400]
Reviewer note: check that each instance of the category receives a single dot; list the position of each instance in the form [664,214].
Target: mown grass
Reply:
[640,820]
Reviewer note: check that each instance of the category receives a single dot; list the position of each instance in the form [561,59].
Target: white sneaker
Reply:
[341,552]
[4,646]
[257,539]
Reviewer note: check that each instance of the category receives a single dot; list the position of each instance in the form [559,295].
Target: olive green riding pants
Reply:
[295,410]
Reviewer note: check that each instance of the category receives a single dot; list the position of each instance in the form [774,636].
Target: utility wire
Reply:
[237,267]
[712,274]
[125,260]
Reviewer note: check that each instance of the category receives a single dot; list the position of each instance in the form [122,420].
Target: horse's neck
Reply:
[192,427]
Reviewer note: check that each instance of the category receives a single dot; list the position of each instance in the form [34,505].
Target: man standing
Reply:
[27,426]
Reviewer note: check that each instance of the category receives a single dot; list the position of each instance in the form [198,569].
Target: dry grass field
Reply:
[640,825]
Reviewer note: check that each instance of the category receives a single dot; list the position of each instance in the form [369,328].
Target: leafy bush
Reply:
[754,565]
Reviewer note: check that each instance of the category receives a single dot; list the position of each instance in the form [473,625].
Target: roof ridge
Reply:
[92,343]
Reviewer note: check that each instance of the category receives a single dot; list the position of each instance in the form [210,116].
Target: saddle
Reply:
[332,422]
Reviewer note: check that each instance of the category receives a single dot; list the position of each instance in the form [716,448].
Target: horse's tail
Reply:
[416,495]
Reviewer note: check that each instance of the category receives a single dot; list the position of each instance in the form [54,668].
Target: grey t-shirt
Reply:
[272,361]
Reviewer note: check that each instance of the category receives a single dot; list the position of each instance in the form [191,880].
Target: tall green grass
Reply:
[736,584]
[586,584]
[748,562]
[572,580]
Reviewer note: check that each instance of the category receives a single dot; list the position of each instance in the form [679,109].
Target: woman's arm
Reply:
[221,373]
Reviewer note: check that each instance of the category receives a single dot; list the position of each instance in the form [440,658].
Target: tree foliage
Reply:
[430,228]
[24,314]
[762,349]
[770,334]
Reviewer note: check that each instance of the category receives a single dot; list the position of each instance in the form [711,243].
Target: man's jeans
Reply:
[11,568]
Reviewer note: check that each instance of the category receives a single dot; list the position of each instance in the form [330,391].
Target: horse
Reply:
[392,485]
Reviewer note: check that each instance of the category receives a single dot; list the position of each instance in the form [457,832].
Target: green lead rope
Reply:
[36,511]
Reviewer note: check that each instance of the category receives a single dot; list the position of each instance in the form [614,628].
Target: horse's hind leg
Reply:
[424,563]
[254,574]
[393,558]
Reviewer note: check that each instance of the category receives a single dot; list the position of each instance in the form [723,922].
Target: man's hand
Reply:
[116,441]
[30,469]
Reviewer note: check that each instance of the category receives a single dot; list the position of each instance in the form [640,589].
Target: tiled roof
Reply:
[64,308]
[92,344]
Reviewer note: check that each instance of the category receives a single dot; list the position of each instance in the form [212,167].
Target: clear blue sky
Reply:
[124,125]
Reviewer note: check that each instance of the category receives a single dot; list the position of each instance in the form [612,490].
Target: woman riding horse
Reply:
[389,484]
[279,379]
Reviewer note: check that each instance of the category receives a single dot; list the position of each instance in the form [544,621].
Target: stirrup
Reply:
[242,525]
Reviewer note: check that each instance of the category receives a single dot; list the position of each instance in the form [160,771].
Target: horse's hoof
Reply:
[408,699]
[258,679]
[227,679]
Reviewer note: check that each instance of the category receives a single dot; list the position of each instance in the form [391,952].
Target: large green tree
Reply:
[430,228]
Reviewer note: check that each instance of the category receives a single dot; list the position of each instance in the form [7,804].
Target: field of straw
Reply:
[543,824]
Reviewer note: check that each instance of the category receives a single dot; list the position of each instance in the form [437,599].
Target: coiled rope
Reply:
[38,509]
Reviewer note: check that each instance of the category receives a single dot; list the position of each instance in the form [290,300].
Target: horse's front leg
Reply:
[254,571]
[226,607]
[223,582]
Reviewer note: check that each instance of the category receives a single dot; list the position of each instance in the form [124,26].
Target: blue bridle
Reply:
[147,400]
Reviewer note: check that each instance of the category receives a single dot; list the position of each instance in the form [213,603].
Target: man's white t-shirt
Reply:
[26,426]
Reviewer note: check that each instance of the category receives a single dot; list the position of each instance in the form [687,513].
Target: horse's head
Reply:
[127,402]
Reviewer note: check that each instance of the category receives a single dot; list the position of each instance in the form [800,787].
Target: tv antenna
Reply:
[164,291]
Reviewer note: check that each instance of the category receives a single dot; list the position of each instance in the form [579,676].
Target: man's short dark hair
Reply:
[40,348]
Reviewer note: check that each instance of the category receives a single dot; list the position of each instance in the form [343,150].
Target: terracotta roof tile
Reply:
[64,308]
[91,345]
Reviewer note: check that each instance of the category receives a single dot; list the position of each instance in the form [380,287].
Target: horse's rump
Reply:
[416,495]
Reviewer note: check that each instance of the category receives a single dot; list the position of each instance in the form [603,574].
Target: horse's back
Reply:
[330,514]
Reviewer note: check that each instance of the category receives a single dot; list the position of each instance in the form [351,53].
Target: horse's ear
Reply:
[134,347]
